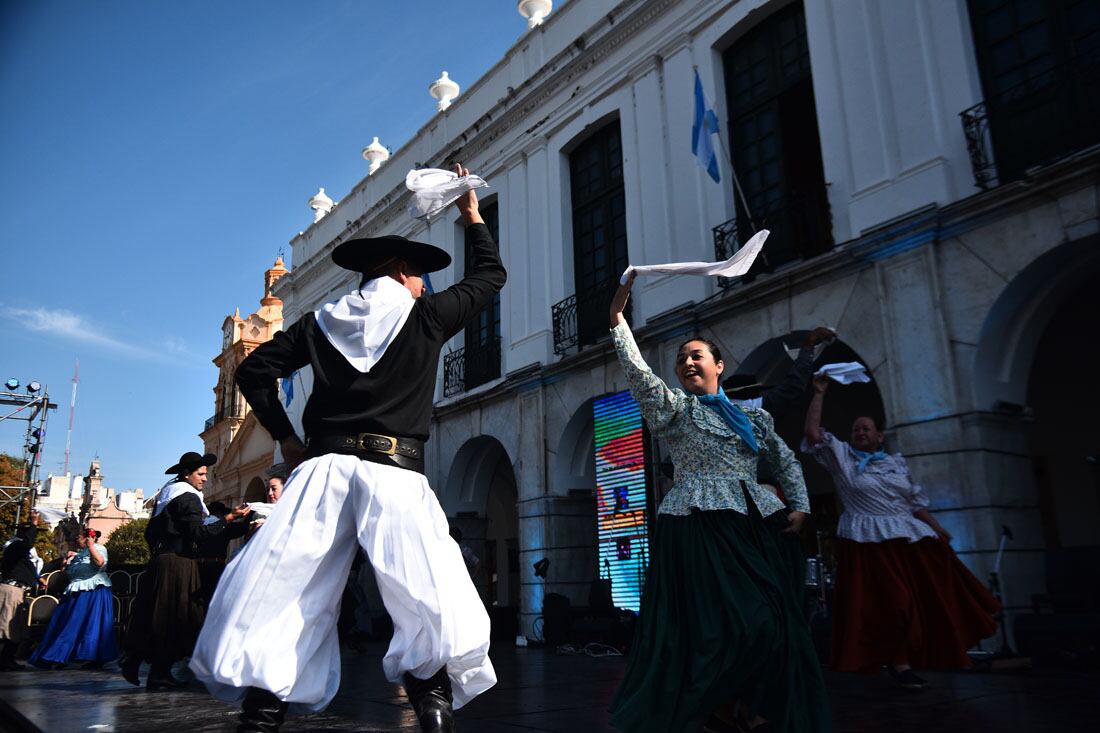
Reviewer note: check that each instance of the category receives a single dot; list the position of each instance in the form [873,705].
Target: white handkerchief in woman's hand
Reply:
[735,266]
[434,189]
[845,372]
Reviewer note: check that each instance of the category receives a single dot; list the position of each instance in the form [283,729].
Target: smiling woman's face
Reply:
[697,369]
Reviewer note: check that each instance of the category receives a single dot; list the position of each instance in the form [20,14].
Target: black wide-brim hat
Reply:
[191,461]
[365,254]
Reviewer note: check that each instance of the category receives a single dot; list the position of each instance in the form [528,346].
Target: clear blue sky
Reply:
[157,156]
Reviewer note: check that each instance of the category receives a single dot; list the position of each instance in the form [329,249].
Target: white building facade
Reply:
[955,260]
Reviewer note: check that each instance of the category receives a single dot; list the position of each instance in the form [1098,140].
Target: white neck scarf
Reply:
[173,489]
[362,325]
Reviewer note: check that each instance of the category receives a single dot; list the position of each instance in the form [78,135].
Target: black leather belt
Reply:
[16,583]
[407,453]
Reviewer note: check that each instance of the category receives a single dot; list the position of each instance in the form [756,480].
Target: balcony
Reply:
[582,320]
[217,417]
[471,366]
[801,227]
[1046,117]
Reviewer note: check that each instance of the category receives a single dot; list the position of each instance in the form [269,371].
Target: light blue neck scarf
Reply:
[865,458]
[733,416]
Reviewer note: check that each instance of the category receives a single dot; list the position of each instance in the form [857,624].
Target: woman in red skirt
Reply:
[903,599]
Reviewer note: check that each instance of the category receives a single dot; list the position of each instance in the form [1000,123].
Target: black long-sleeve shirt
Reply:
[395,396]
[793,387]
[181,527]
[17,564]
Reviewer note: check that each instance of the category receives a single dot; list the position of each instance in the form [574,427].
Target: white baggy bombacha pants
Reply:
[272,621]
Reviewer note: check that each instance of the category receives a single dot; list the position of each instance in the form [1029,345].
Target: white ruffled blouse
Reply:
[83,573]
[879,502]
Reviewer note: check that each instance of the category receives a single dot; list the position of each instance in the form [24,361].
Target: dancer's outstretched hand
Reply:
[622,297]
[467,202]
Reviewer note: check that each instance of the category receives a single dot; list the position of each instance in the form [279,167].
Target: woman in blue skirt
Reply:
[82,626]
[721,631]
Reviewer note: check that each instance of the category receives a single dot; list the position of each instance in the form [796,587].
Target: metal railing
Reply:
[564,315]
[800,228]
[217,417]
[471,366]
[1045,117]
[581,320]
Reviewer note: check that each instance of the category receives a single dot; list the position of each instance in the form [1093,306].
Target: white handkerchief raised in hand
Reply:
[735,266]
[434,189]
[845,372]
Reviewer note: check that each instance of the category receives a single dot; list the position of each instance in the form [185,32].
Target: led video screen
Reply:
[621,496]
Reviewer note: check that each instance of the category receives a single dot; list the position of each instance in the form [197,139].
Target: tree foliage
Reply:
[11,474]
[127,546]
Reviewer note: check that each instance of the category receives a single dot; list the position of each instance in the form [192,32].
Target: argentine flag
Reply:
[705,125]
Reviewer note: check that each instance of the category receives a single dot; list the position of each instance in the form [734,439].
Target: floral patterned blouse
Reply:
[711,460]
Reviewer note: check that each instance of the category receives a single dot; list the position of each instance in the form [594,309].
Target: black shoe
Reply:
[130,666]
[12,666]
[431,700]
[908,679]
[261,712]
[92,665]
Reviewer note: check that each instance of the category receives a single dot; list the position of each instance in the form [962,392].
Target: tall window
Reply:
[599,227]
[482,350]
[1040,69]
[774,139]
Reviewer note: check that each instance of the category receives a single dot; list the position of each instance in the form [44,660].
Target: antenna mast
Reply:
[72,409]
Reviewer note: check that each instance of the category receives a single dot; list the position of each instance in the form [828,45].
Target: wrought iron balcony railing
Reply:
[564,315]
[800,228]
[582,320]
[1047,116]
[471,366]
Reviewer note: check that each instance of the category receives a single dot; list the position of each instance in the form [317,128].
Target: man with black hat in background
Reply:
[18,575]
[270,636]
[746,389]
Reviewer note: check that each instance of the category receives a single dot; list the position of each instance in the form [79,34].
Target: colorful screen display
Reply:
[621,497]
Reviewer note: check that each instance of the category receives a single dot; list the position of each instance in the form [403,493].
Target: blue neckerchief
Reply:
[865,458]
[733,416]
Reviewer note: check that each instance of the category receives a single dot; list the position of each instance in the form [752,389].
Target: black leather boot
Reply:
[261,712]
[432,702]
[130,666]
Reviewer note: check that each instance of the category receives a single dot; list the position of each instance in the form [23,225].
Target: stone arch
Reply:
[575,460]
[480,500]
[770,364]
[255,490]
[1019,317]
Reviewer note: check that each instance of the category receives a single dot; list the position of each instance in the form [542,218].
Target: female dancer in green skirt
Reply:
[721,629]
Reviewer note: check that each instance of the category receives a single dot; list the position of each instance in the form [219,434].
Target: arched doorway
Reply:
[1064,400]
[771,363]
[255,491]
[480,500]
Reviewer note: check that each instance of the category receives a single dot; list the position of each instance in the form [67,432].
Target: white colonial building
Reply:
[929,171]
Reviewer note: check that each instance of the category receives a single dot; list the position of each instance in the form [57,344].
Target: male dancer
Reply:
[270,634]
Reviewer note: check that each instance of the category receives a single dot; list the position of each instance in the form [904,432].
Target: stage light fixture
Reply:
[33,387]
[38,433]
[12,384]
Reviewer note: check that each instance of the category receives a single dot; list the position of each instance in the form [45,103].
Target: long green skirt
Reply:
[721,619]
